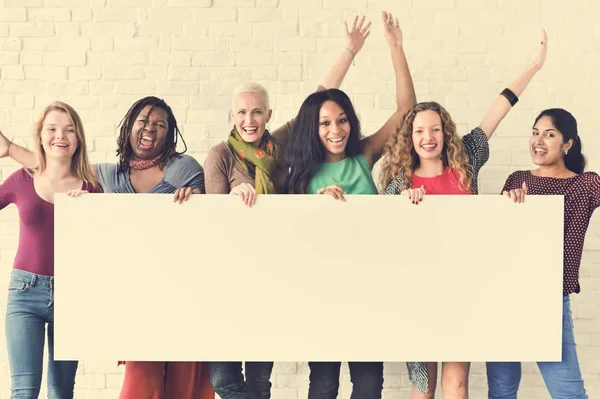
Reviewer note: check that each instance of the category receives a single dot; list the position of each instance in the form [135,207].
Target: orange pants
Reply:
[166,380]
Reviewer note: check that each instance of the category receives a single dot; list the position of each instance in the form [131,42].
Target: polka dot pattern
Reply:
[581,198]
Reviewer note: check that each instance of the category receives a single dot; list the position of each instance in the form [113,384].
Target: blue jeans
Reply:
[228,382]
[366,377]
[563,379]
[30,306]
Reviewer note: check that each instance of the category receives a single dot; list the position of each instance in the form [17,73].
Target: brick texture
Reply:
[101,55]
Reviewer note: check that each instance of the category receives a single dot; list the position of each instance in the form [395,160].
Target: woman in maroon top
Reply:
[555,147]
[63,167]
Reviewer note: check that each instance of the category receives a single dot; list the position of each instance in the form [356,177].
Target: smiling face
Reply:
[250,115]
[150,131]
[58,136]
[334,130]
[547,145]
[428,135]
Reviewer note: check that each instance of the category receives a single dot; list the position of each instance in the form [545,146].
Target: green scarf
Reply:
[257,162]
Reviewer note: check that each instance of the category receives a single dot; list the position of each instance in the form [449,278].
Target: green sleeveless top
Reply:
[353,174]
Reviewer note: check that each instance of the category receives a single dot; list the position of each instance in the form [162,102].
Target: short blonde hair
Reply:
[251,87]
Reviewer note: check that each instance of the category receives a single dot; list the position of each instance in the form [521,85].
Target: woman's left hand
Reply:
[391,30]
[335,191]
[76,192]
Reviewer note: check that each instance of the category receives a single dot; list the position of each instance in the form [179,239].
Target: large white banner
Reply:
[299,278]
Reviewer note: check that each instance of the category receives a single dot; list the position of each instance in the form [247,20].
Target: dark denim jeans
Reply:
[366,377]
[228,382]
[30,306]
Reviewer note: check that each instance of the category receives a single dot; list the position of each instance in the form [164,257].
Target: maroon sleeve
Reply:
[512,182]
[10,188]
[593,185]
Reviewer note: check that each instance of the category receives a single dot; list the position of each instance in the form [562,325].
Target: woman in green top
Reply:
[327,154]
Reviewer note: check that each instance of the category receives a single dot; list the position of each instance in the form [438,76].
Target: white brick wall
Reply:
[101,55]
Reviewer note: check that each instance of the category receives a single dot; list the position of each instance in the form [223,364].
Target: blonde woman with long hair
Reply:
[427,156]
[63,167]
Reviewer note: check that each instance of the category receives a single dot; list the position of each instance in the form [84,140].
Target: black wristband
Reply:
[510,96]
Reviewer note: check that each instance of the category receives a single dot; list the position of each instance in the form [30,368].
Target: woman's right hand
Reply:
[357,36]
[518,194]
[4,145]
[247,192]
[415,194]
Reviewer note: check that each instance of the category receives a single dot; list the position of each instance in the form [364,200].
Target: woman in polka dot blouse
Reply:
[555,147]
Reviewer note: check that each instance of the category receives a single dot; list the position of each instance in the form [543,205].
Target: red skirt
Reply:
[166,380]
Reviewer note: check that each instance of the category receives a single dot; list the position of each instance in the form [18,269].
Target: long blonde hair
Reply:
[400,158]
[80,165]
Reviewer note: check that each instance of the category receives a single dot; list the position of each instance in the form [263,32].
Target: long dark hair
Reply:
[124,151]
[305,153]
[566,124]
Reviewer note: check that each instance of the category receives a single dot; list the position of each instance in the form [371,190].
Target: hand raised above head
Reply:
[391,29]
[357,36]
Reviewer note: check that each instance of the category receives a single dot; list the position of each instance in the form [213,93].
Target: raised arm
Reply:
[23,156]
[405,91]
[504,102]
[355,40]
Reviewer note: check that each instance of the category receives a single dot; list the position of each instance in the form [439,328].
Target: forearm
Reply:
[405,100]
[23,156]
[406,97]
[520,83]
[337,73]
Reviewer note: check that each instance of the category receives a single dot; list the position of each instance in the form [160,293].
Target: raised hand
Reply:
[391,29]
[540,59]
[356,37]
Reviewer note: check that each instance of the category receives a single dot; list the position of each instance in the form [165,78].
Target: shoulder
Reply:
[589,178]
[220,150]
[182,169]
[476,138]
[108,175]
[218,156]
[104,170]
[516,178]
[185,162]
[519,174]
[18,177]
